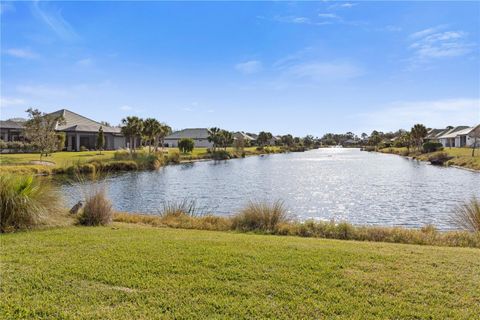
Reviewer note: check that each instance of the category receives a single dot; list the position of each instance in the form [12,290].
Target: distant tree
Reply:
[375,138]
[308,141]
[239,143]
[186,145]
[40,130]
[105,123]
[418,132]
[61,138]
[475,134]
[264,138]
[214,137]
[364,136]
[100,140]
[287,140]
[225,139]
[151,129]
[165,130]
[132,129]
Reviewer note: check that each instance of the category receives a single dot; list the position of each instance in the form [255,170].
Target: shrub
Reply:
[439,158]
[122,155]
[186,145]
[432,147]
[182,207]
[25,202]
[126,165]
[221,155]
[83,148]
[173,157]
[258,216]
[467,215]
[98,209]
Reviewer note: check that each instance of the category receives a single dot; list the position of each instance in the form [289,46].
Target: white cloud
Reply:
[11,102]
[295,20]
[344,5]
[41,91]
[432,43]
[55,20]
[328,15]
[434,113]
[21,53]
[249,67]
[324,71]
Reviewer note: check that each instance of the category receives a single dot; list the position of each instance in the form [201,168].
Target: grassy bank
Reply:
[461,157]
[130,271]
[65,162]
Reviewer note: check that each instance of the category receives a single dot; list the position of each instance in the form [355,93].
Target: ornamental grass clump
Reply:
[467,215]
[98,209]
[261,216]
[26,202]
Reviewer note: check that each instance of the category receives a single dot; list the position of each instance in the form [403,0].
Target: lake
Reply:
[323,184]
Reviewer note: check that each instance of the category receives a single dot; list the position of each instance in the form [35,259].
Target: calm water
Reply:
[340,184]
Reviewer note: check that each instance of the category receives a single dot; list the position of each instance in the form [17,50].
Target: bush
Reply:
[178,208]
[221,155]
[186,145]
[126,165]
[98,209]
[259,216]
[122,155]
[467,215]
[173,157]
[25,202]
[432,147]
[439,158]
[83,148]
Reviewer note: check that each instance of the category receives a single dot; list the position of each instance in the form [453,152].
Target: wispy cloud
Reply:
[41,91]
[126,108]
[434,113]
[342,5]
[249,67]
[433,43]
[328,15]
[21,53]
[324,71]
[295,20]
[11,102]
[54,19]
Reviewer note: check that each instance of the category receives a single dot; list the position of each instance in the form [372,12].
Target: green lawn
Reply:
[138,272]
[461,156]
[71,158]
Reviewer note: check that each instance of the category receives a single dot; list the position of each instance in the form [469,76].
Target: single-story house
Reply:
[79,130]
[460,136]
[242,135]
[11,130]
[199,136]
[433,134]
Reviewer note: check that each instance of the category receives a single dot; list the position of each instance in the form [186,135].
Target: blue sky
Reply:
[285,67]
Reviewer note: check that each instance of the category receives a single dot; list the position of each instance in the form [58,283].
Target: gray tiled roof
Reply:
[9,124]
[78,123]
[452,133]
[193,133]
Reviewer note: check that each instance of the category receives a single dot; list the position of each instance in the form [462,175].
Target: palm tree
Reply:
[214,137]
[418,132]
[132,129]
[226,138]
[164,130]
[151,128]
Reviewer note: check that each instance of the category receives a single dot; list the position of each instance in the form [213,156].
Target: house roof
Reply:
[9,124]
[193,133]
[243,135]
[77,123]
[452,133]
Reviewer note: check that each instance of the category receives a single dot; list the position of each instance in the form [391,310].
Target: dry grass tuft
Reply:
[98,209]
[467,215]
[260,216]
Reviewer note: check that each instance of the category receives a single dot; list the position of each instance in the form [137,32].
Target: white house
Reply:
[461,136]
[199,136]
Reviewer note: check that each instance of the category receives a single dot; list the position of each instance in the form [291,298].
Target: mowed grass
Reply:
[460,156]
[138,272]
[65,158]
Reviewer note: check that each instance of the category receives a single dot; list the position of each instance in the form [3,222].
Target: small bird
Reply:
[76,208]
